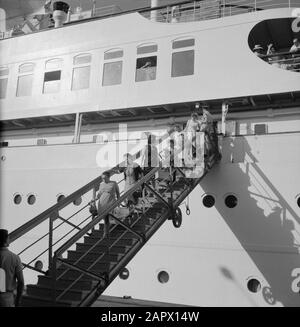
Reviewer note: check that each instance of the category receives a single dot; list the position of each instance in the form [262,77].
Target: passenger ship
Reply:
[76,83]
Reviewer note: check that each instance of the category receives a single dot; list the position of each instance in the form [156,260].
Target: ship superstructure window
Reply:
[3,81]
[146,65]
[25,80]
[183,57]
[52,76]
[81,72]
[112,70]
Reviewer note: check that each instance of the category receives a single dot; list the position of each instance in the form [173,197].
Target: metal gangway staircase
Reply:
[82,261]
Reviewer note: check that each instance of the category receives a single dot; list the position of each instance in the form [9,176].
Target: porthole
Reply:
[124,274]
[254,285]
[17,199]
[298,201]
[208,201]
[31,199]
[163,277]
[77,202]
[38,265]
[231,201]
[60,198]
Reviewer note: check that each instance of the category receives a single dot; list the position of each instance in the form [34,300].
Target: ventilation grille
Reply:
[260,129]
[3,144]
[41,142]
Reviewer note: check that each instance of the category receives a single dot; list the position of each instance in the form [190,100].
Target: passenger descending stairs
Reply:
[89,268]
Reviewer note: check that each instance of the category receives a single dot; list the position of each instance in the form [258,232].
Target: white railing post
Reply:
[93,8]
[77,130]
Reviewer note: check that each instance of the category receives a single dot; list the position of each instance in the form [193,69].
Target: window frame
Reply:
[48,70]
[146,54]
[111,60]
[26,73]
[81,65]
[4,77]
[183,48]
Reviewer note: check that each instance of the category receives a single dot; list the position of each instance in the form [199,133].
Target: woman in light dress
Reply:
[107,195]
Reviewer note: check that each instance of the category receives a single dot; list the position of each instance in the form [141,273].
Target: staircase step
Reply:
[36,301]
[74,274]
[116,249]
[115,234]
[46,292]
[46,281]
[92,240]
[100,266]
[91,256]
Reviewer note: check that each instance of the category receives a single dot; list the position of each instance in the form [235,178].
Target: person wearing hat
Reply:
[11,274]
[258,50]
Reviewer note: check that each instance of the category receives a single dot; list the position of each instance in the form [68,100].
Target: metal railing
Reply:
[53,220]
[184,11]
[188,11]
[170,202]
[284,60]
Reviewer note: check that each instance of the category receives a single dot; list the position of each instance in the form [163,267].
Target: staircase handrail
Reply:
[34,222]
[105,212]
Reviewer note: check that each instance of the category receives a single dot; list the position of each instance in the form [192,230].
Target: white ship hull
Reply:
[211,258]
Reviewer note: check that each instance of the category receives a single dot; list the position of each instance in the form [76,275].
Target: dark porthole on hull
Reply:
[208,201]
[60,197]
[17,199]
[77,202]
[31,199]
[163,277]
[124,274]
[38,265]
[254,285]
[231,201]
[298,201]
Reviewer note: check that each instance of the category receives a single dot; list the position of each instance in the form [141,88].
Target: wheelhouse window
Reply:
[25,80]
[146,65]
[3,81]
[81,72]
[52,76]
[183,57]
[112,69]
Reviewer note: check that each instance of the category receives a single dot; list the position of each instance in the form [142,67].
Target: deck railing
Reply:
[188,11]
[284,60]
[183,11]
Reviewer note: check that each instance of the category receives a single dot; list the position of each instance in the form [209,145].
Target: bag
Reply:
[93,209]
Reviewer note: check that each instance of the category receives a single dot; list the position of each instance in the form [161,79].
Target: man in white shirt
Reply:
[11,274]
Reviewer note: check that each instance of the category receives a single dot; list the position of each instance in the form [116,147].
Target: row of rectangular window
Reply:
[146,69]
